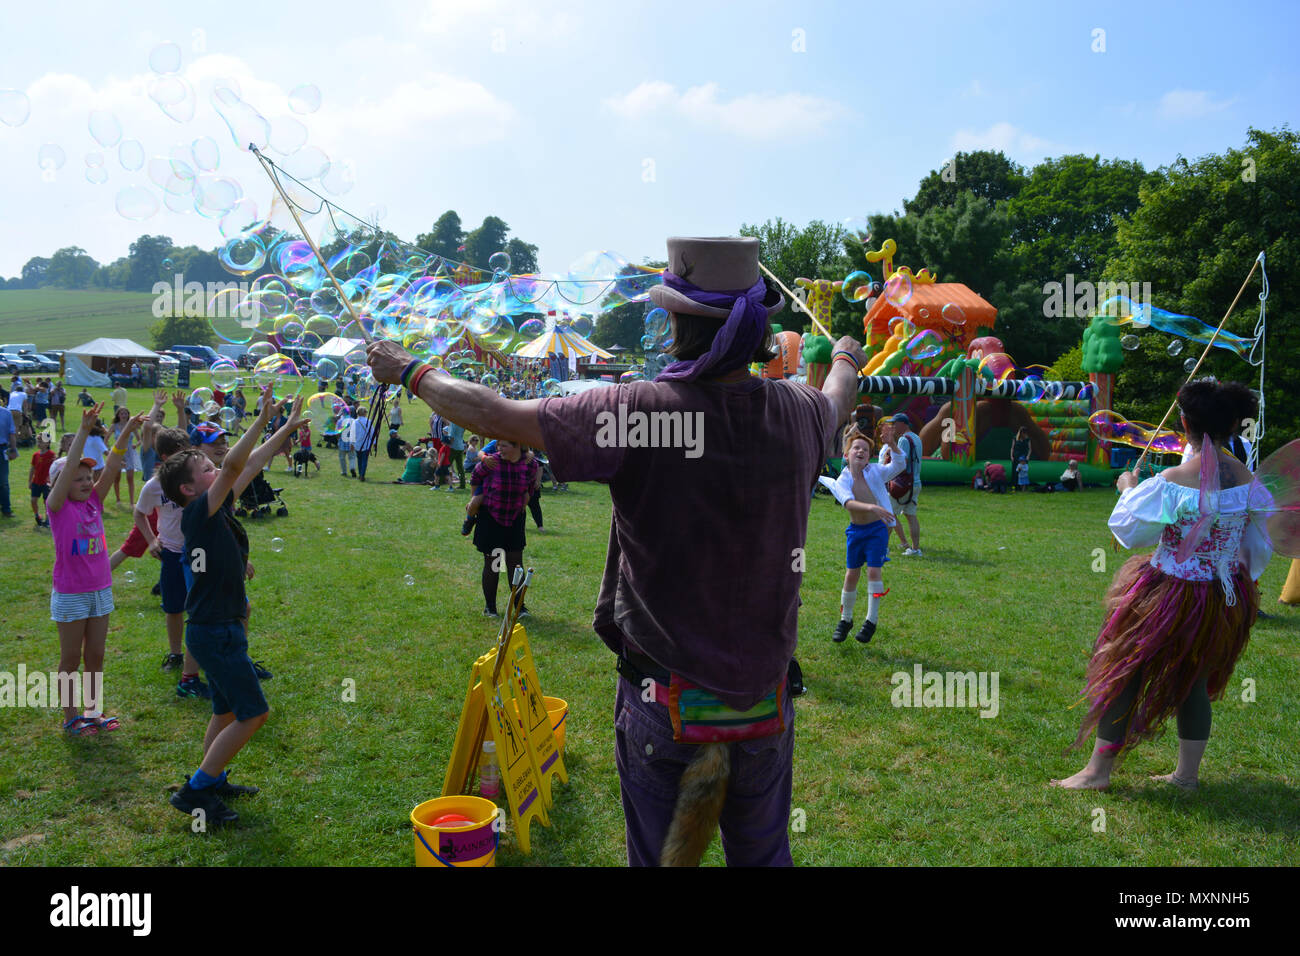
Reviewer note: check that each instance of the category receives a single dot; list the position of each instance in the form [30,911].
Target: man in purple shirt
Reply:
[710,471]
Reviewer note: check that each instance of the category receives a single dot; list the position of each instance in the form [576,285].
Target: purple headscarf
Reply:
[740,336]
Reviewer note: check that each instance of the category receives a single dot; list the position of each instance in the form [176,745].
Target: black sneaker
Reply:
[468,526]
[173,661]
[868,629]
[226,790]
[156,590]
[194,687]
[187,800]
[523,611]
[262,672]
[841,631]
[354,472]
[490,612]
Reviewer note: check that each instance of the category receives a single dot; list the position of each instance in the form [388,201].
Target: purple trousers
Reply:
[756,817]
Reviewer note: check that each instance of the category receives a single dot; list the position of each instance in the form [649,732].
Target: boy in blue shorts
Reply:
[216,552]
[860,488]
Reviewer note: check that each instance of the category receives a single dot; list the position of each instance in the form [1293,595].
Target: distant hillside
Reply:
[63,319]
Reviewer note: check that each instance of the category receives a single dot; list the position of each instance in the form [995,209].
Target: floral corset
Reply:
[1216,556]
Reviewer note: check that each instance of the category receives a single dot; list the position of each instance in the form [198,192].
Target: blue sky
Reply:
[611,126]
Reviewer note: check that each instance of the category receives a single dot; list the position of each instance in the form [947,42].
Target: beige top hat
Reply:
[720,264]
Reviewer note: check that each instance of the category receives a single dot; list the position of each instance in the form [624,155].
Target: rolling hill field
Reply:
[64,319]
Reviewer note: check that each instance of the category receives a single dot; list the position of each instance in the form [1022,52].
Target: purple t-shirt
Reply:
[711,486]
[81,563]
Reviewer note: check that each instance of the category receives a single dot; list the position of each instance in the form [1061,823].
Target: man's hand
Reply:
[178,399]
[159,398]
[387,360]
[248,570]
[155,548]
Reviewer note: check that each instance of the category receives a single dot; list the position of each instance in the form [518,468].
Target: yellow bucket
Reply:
[558,711]
[464,844]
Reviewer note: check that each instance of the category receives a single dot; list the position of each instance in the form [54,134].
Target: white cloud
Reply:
[1190,104]
[1002,136]
[752,116]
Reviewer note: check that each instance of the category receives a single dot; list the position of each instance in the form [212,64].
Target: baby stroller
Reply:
[255,500]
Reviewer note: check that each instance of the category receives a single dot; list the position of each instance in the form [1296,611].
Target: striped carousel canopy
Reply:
[560,341]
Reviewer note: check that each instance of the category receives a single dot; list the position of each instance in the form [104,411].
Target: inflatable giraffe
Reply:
[821,293]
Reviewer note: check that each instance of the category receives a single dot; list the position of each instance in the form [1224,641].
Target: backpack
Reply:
[900,488]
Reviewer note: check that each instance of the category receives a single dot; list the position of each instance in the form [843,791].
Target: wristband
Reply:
[407,371]
[119,450]
[848,356]
[419,373]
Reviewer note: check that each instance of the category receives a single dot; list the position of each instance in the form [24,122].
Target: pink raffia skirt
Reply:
[1167,633]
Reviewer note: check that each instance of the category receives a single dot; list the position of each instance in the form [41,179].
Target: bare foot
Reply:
[1083,780]
[1177,781]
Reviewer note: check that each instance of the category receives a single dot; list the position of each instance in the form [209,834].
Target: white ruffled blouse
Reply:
[1159,512]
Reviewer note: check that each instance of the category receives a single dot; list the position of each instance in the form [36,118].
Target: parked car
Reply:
[15,364]
[44,362]
[192,360]
[168,361]
[204,353]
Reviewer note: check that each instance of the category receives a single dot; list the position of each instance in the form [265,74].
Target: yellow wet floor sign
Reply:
[523,746]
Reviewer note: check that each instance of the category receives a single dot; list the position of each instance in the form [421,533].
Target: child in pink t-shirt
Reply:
[82,597]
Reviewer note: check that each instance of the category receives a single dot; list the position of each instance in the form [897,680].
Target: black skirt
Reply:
[489,535]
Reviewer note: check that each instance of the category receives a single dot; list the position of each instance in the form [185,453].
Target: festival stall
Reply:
[100,362]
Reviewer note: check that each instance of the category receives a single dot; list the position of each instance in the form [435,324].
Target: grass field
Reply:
[1006,585]
[64,319]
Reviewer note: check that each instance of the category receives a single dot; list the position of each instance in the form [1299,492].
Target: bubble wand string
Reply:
[293,211]
[796,300]
[1209,345]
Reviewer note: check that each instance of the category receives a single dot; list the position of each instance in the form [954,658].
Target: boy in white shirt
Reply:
[861,490]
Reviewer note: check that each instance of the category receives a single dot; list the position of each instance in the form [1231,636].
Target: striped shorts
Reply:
[65,608]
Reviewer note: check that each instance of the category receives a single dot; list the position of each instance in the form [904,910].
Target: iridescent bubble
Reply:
[94,158]
[214,196]
[97,175]
[130,153]
[210,408]
[583,325]
[648,342]
[410,581]
[926,344]
[260,350]
[277,545]
[489,380]
[234,316]
[51,156]
[243,255]
[1175,347]
[551,388]
[207,156]
[280,372]
[858,228]
[242,218]
[656,323]
[304,98]
[129,577]
[953,314]
[104,128]
[288,135]
[307,163]
[1108,425]
[1189,366]
[325,370]
[898,290]
[499,262]
[1129,342]
[136,203]
[229,417]
[199,397]
[174,96]
[166,263]
[319,407]
[165,58]
[857,287]
[246,125]
[531,328]
[15,107]
[339,178]
[223,375]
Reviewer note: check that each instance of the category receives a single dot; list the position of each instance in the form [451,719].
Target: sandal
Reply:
[107,724]
[80,727]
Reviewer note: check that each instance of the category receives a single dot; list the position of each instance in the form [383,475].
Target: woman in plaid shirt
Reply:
[502,483]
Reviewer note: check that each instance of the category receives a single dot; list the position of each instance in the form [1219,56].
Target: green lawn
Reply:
[64,319]
[1006,585]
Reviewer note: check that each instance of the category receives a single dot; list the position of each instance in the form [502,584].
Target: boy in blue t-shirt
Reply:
[216,550]
[1022,475]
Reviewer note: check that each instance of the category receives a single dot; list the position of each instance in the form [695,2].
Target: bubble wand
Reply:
[795,299]
[1208,345]
[269,167]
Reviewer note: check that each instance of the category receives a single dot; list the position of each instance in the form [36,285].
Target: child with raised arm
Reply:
[82,597]
[860,488]
[216,552]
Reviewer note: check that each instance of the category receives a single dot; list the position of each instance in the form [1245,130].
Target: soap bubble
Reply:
[210,408]
[129,577]
[499,262]
[15,107]
[288,135]
[953,314]
[136,203]
[857,227]
[898,290]
[260,350]
[1130,342]
[206,153]
[1175,347]
[656,323]
[339,178]
[229,418]
[243,255]
[926,344]
[1189,366]
[223,375]
[648,342]
[165,58]
[94,158]
[131,155]
[105,128]
[410,580]
[551,388]
[325,370]
[857,287]
[174,96]
[280,372]
[51,156]
[304,98]
[200,397]
[329,530]
[277,545]
[489,380]
[97,175]
[319,407]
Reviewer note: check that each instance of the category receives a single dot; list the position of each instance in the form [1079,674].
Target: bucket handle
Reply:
[496,844]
